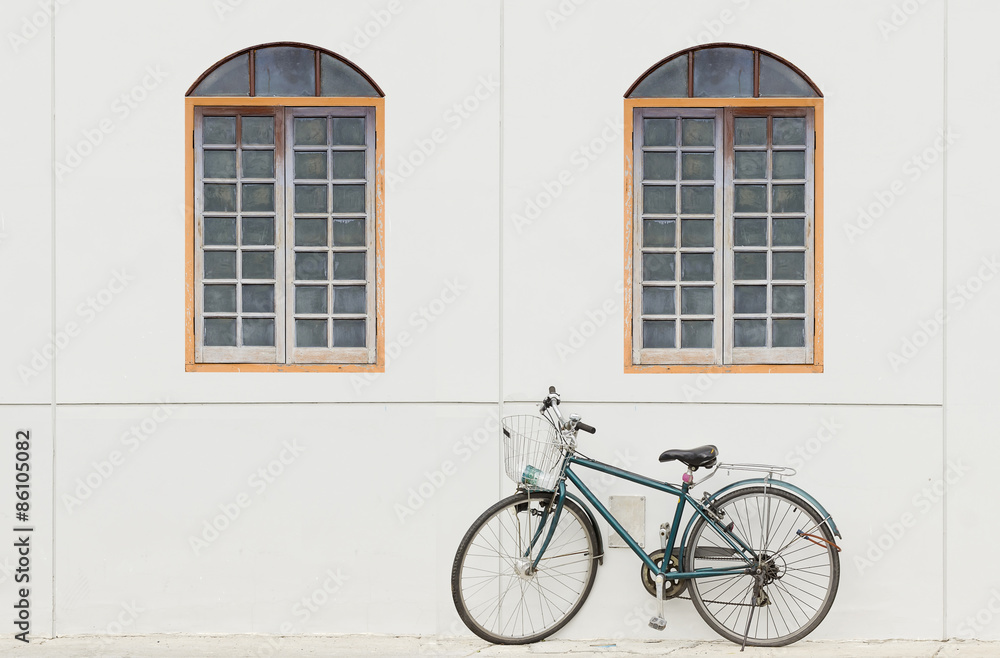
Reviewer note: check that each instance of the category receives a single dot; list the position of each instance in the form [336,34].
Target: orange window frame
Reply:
[193,102]
[817,104]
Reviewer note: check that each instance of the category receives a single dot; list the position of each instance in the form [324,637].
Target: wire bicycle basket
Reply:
[532,452]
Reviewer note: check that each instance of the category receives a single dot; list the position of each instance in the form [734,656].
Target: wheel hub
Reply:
[522,567]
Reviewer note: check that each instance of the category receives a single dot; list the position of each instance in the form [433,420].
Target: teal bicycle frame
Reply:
[683,499]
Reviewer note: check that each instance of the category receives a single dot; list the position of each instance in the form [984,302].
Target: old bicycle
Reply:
[757,557]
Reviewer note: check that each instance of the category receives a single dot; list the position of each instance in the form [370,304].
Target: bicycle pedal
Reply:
[657,623]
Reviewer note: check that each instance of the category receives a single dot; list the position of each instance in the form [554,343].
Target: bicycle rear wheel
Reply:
[495,592]
[800,574]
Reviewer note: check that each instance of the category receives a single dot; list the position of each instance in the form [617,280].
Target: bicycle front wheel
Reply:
[800,574]
[496,592]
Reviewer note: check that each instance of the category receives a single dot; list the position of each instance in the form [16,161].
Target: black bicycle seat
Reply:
[702,457]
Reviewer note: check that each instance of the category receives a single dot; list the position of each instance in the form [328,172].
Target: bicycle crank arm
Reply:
[658,623]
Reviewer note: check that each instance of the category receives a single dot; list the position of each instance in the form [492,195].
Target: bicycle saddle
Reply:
[703,456]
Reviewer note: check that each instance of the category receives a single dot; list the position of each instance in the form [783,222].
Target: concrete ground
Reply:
[351,646]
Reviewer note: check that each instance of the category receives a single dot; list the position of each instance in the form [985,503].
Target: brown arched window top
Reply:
[285,69]
[723,70]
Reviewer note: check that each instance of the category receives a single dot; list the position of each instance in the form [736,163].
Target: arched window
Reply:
[723,223]
[285,226]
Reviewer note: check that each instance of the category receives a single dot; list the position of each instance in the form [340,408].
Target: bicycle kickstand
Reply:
[753,604]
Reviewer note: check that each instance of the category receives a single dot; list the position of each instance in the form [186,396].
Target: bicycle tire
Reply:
[524,608]
[803,574]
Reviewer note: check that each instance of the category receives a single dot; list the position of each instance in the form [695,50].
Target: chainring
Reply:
[671,588]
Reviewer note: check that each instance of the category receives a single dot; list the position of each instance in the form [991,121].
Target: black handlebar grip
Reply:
[552,389]
[586,428]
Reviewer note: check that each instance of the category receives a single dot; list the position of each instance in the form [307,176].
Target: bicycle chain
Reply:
[688,598]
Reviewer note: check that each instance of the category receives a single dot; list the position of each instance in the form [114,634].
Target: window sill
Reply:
[282,367]
[757,368]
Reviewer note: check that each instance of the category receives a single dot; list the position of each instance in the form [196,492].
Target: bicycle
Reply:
[758,548]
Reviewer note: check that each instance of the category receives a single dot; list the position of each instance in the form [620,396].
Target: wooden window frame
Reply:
[631,292]
[367,361]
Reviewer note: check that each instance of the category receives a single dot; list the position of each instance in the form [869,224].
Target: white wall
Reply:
[121,546]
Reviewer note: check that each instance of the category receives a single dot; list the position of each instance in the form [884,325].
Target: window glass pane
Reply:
[751,164]
[258,299]
[697,301]
[220,264]
[311,266]
[658,300]
[310,198]
[791,266]
[349,266]
[751,232]
[258,332]
[310,233]
[723,73]
[220,198]
[339,79]
[348,299]
[310,299]
[658,233]
[220,164]
[750,333]
[750,266]
[697,233]
[258,231]
[258,164]
[698,166]
[348,164]
[220,299]
[310,333]
[750,299]
[788,198]
[348,131]
[750,131]
[779,80]
[310,164]
[309,132]
[285,71]
[348,333]
[220,332]
[789,164]
[659,166]
[696,333]
[668,80]
[348,198]
[659,334]
[789,232]
[218,130]
[258,265]
[789,131]
[751,198]
[348,232]
[788,333]
[698,132]
[697,199]
[258,198]
[658,267]
[788,299]
[257,130]
[231,78]
[220,230]
[697,267]
[659,132]
[660,199]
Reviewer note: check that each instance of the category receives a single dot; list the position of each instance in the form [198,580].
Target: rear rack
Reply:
[772,471]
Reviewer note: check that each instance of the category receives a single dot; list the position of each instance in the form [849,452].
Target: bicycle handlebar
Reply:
[586,428]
